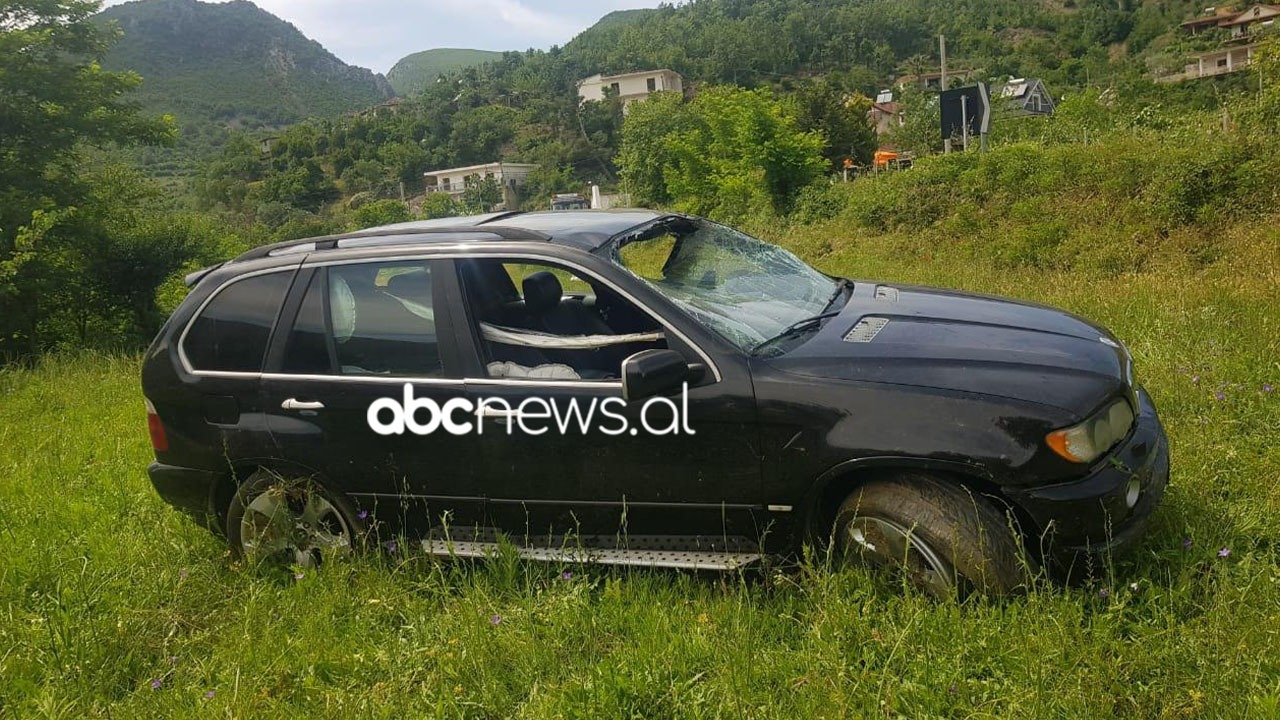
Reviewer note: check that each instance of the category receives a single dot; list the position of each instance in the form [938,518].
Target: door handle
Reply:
[502,416]
[292,404]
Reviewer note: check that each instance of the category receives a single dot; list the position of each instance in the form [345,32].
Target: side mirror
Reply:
[652,372]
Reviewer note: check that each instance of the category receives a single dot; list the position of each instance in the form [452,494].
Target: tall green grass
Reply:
[105,591]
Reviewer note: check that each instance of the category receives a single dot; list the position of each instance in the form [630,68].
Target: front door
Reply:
[354,335]
[550,341]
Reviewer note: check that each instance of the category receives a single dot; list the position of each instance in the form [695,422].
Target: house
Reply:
[1221,61]
[1241,32]
[455,180]
[885,114]
[1252,21]
[1025,96]
[630,87]
[1212,18]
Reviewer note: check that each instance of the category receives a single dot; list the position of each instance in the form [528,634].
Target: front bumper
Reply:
[1092,514]
[188,490]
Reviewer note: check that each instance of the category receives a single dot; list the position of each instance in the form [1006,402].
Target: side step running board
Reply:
[683,553]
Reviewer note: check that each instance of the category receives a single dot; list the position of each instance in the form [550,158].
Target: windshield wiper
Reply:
[796,327]
[842,284]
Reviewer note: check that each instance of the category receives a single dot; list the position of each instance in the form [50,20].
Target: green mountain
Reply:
[620,18]
[233,65]
[412,73]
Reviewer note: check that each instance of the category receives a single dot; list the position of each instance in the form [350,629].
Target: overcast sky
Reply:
[376,33]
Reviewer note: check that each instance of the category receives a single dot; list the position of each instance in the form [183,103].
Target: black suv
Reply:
[642,388]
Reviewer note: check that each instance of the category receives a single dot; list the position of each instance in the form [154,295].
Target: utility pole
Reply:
[942,50]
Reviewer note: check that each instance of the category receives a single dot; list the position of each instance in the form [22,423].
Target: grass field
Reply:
[112,605]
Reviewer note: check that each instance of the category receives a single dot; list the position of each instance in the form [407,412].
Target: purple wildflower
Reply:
[495,620]
[1104,593]
[156,683]
[208,695]
[566,575]
[1266,388]
[1219,396]
[1186,543]
[363,515]
[391,546]
[298,575]
[1224,552]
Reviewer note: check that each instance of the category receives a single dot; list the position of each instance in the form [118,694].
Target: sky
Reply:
[376,33]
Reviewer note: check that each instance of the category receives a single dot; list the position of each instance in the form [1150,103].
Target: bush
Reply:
[380,212]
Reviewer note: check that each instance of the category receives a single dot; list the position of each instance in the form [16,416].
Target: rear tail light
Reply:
[159,441]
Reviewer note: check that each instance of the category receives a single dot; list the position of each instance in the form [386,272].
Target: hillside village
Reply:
[587,134]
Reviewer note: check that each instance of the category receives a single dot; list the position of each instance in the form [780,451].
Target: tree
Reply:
[481,195]
[440,205]
[730,153]
[823,107]
[55,102]
[645,154]
[380,212]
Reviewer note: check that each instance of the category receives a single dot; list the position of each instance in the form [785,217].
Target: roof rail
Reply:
[329,242]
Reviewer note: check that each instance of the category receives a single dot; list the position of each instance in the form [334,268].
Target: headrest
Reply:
[542,292]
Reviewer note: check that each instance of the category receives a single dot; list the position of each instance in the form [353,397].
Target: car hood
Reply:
[949,340]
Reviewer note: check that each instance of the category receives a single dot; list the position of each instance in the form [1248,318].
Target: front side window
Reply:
[372,319]
[539,321]
[232,331]
[745,289]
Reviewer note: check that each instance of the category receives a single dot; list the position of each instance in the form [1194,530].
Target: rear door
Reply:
[213,408]
[356,334]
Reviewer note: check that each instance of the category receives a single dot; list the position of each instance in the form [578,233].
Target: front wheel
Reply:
[289,521]
[946,539]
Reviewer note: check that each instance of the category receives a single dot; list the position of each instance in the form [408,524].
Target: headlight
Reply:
[1087,441]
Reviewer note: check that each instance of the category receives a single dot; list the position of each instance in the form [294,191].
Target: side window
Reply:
[540,321]
[381,319]
[232,331]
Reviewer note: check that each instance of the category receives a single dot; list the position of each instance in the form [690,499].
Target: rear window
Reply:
[232,331]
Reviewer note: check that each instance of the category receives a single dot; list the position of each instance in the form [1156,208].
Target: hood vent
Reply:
[866,330]
[884,293]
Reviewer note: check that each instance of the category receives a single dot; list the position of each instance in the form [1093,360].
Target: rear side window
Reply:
[232,331]
[367,319]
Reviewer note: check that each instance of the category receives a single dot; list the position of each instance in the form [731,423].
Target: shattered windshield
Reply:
[745,289]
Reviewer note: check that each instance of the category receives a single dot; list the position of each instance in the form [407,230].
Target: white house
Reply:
[630,86]
[454,180]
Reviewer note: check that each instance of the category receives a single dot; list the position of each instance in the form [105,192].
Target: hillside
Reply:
[233,64]
[413,72]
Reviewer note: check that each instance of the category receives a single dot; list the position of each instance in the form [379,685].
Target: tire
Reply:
[947,540]
[291,521]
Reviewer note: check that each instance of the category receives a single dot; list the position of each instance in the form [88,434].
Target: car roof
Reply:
[586,230]
[583,229]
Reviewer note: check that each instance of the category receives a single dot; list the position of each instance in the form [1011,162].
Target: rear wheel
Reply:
[289,521]
[945,539]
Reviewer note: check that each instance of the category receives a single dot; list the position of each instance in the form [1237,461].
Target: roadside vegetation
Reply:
[111,604]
